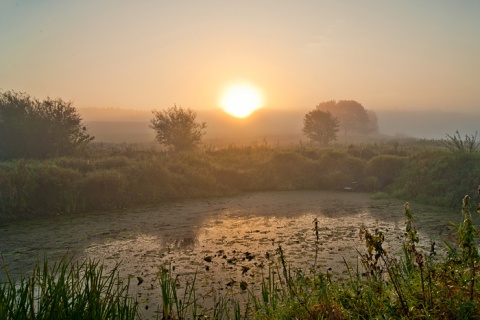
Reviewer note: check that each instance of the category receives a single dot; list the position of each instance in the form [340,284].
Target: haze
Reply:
[391,56]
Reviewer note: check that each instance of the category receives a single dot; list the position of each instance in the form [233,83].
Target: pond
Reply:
[222,241]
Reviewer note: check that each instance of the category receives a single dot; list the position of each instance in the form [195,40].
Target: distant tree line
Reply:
[31,128]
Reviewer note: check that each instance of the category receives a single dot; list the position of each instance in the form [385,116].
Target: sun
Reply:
[241,100]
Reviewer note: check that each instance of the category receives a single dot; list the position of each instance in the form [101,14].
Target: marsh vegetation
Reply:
[112,177]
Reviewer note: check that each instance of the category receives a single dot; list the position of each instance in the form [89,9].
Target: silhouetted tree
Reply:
[320,126]
[352,116]
[177,127]
[30,128]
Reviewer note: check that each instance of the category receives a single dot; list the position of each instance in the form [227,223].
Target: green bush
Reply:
[385,168]
[292,170]
[438,177]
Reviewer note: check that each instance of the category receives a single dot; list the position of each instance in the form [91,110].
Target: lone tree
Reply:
[320,126]
[30,128]
[177,127]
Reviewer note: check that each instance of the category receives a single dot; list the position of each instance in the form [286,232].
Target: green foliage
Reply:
[174,303]
[31,128]
[67,290]
[415,285]
[103,189]
[438,177]
[113,177]
[333,160]
[320,126]
[294,168]
[177,127]
[385,168]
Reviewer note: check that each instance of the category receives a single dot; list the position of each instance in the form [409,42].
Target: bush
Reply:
[385,168]
[292,171]
[438,177]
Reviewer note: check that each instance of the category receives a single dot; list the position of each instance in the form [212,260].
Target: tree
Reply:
[30,128]
[352,116]
[177,127]
[320,126]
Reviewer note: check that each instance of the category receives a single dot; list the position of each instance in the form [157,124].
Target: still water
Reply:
[222,241]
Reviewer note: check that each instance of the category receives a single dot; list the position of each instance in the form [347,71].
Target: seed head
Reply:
[465,201]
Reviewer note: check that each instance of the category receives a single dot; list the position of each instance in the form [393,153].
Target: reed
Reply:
[67,290]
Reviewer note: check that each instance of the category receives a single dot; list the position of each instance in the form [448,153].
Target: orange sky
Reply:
[151,54]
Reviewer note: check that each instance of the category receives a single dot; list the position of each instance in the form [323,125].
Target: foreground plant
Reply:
[67,290]
[411,284]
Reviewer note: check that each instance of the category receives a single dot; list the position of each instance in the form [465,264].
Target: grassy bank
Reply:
[116,178]
[112,177]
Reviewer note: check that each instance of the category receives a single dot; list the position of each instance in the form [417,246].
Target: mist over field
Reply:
[274,126]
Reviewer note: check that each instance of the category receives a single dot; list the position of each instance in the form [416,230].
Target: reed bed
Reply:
[113,177]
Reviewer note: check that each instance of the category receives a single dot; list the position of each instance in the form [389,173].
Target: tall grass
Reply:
[67,290]
[104,182]
[117,177]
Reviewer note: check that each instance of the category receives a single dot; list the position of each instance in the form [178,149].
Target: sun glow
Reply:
[241,100]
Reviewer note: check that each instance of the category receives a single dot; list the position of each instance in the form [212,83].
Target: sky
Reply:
[387,55]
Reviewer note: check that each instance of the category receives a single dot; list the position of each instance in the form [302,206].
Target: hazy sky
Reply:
[151,54]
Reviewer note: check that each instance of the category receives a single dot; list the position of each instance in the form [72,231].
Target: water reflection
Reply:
[225,241]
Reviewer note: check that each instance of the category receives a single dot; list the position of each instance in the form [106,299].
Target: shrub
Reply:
[385,168]
[292,170]
[438,177]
